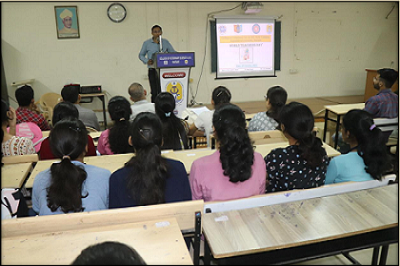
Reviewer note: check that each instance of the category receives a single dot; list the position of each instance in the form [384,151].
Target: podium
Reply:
[369,87]
[174,72]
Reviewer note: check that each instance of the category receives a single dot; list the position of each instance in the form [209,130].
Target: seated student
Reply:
[174,129]
[27,110]
[367,158]
[11,144]
[303,164]
[115,140]
[109,253]
[275,99]
[148,178]
[70,185]
[70,93]
[202,126]
[138,97]
[234,170]
[63,110]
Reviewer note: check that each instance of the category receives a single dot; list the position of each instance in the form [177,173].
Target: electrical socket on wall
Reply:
[292,71]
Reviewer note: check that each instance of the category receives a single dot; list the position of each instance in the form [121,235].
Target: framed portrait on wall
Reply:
[67,22]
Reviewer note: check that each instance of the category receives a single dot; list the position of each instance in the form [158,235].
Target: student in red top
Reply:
[63,110]
[27,110]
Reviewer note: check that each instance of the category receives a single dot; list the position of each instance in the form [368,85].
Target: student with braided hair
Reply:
[202,126]
[70,185]
[115,139]
[304,162]
[234,170]
[275,100]
[367,158]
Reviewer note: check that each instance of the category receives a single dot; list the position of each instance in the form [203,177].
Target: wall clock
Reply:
[116,12]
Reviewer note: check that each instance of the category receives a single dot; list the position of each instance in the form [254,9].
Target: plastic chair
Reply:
[47,103]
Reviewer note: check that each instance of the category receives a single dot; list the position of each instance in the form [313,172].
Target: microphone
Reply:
[160,39]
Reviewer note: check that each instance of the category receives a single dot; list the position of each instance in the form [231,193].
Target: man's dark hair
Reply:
[70,93]
[24,95]
[388,76]
[155,26]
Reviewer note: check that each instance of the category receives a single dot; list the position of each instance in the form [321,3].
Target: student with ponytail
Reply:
[367,158]
[275,100]
[234,170]
[175,130]
[115,139]
[148,178]
[70,185]
[202,126]
[304,162]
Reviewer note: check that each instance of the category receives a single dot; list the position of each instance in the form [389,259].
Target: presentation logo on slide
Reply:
[269,29]
[222,29]
[237,28]
[256,28]
[176,89]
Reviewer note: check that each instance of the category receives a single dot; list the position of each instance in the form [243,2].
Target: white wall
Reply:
[330,44]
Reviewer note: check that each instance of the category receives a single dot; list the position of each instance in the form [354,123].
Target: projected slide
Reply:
[245,47]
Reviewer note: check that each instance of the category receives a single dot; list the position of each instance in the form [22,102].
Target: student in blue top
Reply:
[367,158]
[148,178]
[70,185]
[149,48]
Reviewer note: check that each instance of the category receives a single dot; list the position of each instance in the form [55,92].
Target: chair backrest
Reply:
[387,124]
[184,212]
[295,195]
[266,137]
[48,101]
[28,158]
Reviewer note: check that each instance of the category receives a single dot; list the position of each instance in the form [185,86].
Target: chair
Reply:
[47,103]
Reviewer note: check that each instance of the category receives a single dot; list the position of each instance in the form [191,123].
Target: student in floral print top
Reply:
[303,164]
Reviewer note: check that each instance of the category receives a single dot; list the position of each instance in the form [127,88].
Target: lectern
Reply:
[174,72]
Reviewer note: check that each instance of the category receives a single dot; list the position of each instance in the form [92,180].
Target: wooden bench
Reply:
[29,158]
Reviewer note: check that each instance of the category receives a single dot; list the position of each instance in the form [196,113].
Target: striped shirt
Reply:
[385,104]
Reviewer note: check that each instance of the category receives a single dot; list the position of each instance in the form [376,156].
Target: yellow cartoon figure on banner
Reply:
[176,89]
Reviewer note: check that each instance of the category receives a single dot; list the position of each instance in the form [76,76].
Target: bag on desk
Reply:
[13,203]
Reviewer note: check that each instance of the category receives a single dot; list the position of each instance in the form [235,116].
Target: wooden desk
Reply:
[187,157]
[338,110]
[158,242]
[14,175]
[265,149]
[305,229]
[101,96]
[110,162]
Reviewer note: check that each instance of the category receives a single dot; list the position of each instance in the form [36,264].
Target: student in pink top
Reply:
[234,170]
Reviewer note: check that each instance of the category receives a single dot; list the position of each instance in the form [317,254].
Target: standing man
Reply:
[149,48]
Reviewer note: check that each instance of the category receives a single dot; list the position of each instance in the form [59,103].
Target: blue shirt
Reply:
[177,186]
[149,47]
[385,104]
[96,184]
[347,167]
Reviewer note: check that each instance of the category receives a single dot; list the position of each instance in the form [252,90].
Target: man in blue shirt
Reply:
[149,48]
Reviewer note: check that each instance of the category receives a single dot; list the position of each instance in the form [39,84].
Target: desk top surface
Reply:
[14,175]
[265,149]
[301,222]
[158,242]
[341,109]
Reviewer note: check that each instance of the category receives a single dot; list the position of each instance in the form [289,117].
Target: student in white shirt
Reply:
[138,97]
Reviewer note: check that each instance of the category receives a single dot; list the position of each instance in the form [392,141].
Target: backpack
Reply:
[13,203]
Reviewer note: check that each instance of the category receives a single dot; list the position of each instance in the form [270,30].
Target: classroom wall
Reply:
[329,44]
